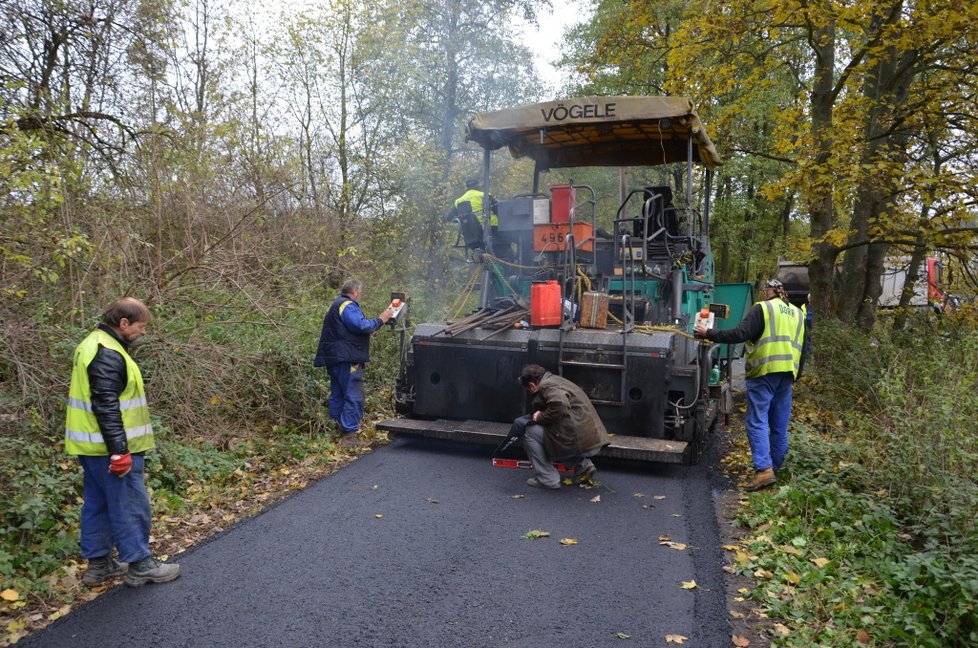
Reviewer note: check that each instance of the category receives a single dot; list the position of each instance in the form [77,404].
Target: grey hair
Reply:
[351,286]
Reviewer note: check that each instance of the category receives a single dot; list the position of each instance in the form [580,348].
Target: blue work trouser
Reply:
[346,395]
[115,511]
[768,411]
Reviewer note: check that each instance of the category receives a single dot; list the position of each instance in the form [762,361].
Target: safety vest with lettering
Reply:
[82,433]
[779,347]
[475,198]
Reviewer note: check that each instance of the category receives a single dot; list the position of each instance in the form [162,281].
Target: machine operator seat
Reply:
[661,210]
[469,228]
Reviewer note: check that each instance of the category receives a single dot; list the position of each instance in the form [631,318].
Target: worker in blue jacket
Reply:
[344,349]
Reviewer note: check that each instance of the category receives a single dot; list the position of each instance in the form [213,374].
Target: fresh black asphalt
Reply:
[445,566]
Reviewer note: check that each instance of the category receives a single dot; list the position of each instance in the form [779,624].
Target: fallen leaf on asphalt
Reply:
[639,495]
[431,500]
[678,546]
[743,590]
[782,629]
[664,538]
[658,497]
[730,547]
[622,635]
[533,534]
[379,515]
[517,496]
[677,639]
[739,599]
[690,584]
[739,640]
[9,595]
[729,569]
[820,562]
[735,614]
[568,541]
[648,506]
[596,499]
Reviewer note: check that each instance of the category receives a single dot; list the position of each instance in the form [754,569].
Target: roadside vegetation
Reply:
[239,416]
[869,537]
[230,163]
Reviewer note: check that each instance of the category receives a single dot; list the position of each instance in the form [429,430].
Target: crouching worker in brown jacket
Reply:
[564,426]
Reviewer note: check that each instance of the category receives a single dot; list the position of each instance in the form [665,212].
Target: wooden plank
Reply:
[492,433]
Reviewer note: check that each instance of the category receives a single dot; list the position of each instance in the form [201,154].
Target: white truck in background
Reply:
[895,277]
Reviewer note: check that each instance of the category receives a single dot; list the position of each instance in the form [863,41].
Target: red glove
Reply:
[120,464]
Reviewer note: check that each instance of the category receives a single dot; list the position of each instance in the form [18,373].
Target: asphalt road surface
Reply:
[445,565]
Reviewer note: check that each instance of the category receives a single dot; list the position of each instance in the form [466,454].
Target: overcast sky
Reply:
[545,38]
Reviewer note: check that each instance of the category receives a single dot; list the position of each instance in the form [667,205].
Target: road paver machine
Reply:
[608,301]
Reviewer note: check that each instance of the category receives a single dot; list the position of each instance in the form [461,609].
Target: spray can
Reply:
[705,318]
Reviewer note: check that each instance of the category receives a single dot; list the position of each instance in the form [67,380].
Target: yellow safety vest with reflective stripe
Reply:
[779,347]
[475,197]
[82,433]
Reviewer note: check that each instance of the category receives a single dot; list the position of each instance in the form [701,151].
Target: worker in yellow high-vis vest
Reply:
[469,209]
[774,330]
[108,428]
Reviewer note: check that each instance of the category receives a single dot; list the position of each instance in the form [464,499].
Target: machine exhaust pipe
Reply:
[677,294]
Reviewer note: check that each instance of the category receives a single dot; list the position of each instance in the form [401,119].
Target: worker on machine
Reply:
[474,196]
[468,211]
[774,330]
[564,426]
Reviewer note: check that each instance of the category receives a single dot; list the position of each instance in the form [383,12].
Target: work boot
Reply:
[762,479]
[536,483]
[151,570]
[351,441]
[586,476]
[102,569]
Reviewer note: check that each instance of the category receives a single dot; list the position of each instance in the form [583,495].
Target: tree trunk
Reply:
[820,186]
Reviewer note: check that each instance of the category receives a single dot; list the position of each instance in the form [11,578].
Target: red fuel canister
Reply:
[562,200]
[545,304]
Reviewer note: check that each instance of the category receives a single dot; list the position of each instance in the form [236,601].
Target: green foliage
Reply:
[233,395]
[883,490]
[40,511]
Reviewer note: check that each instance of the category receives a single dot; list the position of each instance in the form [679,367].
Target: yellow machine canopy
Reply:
[598,131]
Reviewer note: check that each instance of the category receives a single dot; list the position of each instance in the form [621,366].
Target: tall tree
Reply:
[860,71]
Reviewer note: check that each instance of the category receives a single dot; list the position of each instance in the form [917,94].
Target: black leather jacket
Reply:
[107,377]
